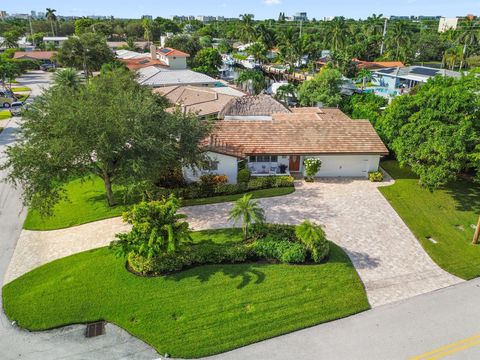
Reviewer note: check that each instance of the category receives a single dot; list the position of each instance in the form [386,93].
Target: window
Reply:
[263,158]
[211,165]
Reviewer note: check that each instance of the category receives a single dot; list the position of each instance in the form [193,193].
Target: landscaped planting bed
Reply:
[87,201]
[191,313]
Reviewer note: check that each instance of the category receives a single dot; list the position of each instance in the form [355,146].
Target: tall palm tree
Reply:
[469,36]
[399,37]
[285,92]
[373,25]
[336,33]
[252,80]
[247,31]
[147,29]
[258,51]
[248,211]
[67,78]
[265,35]
[52,18]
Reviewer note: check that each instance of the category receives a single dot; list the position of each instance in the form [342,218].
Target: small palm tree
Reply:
[248,211]
[252,80]
[364,75]
[285,92]
[258,51]
[313,237]
[67,78]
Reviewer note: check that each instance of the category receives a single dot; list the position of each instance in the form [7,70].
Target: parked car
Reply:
[6,98]
[46,67]
[16,108]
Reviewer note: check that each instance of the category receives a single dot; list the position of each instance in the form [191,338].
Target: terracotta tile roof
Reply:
[139,63]
[302,132]
[38,55]
[172,52]
[259,105]
[202,101]
[377,64]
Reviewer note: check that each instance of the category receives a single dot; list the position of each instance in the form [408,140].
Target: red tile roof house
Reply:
[346,147]
[43,56]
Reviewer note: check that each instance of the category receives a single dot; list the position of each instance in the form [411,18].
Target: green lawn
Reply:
[446,215]
[87,202]
[5,114]
[20,88]
[194,313]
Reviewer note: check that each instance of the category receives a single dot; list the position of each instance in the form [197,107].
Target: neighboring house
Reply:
[376,65]
[143,62]
[346,147]
[175,59]
[44,56]
[405,78]
[56,41]
[205,102]
[259,107]
[157,76]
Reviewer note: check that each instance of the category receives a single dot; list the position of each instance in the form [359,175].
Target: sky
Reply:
[263,9]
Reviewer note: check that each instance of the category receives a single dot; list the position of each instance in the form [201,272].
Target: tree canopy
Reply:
[324,88]
[110,127]
[436,130]
[207,61]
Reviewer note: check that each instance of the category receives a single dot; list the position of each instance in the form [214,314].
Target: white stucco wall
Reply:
[177,63]
[345,165]
[227,165]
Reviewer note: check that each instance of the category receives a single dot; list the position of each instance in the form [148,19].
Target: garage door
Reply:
[344,165]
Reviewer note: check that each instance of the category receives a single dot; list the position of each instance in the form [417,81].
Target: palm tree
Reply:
[313,237]
[67,78]
[147,29]
[469,36]
[285,92]
[247,30]
[252,80]
[452,56]
[265,36]
[399,37]
[364,75]
[52,18]
[373,26]
[248,211]
[336,32]
[258,51]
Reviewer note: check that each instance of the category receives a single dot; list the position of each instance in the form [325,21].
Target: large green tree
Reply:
[324,88]
[87,52]
[207,61]
[110,127]
[436,131]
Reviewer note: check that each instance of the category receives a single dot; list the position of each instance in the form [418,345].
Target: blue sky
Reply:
[261,8]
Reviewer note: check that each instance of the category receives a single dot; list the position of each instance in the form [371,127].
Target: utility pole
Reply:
[383,36]
[31,30]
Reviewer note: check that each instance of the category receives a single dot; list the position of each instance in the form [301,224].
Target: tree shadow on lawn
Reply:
[466,195]
[247,272]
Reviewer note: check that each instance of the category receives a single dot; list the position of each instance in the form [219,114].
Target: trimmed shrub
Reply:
[312,166]
[283,181]
[280,231]
[375,176]
[243,176]
[256,183]
[273,248]
[212,179]
[194,255]
[227,189]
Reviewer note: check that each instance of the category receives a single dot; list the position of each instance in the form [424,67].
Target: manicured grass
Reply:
[20,88]
[446,215]
[5,114]
[87,202]
[194,313]
[256,194]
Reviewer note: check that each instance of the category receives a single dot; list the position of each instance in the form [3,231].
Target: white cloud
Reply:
[271,2]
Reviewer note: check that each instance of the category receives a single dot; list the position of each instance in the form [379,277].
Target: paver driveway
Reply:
[389,259]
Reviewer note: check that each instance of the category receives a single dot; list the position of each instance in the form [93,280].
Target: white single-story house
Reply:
[158,76]
[346,147]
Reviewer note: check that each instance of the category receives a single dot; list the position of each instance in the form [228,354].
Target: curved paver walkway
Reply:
[387,256]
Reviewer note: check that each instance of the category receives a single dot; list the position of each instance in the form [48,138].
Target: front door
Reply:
[294,163]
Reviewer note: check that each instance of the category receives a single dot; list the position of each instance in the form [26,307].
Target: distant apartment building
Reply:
[447,24]
[300,16]
[183,18]
[206,19]
[3,14]
[148,17]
